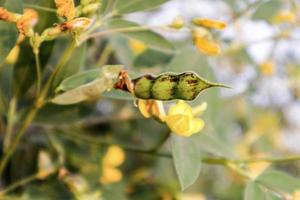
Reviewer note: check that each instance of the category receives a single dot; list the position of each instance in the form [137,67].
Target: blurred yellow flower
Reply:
[13,55]
[209,23]
[110,175]
[204,42]
[296,195]
[267,67]
[137,46]
[181,119]
[114,157]
[27,21]
[65,8]
[285,16]
[151,108]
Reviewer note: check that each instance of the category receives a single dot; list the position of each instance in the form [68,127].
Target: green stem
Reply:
[26,5]
[10,122]
[18,184]
[32,112]
[38,73]
[17,138]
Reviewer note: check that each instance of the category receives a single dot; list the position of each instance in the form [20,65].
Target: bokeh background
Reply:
[258,117]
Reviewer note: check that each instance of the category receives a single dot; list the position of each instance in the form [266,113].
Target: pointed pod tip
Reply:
[220,85]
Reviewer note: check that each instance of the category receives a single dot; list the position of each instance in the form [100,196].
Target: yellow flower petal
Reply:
[177,23]
[179,124]
[181,108]
[196,126]
[285,16]
[198,110]
[114,157]
[144,108]
[65,8]
[209,23]
[110,175]
[207,46]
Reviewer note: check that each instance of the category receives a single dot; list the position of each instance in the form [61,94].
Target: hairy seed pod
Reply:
[170,86]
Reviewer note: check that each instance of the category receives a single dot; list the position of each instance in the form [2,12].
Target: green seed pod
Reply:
[169,86]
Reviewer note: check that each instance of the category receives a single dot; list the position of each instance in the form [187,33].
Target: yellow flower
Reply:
[177,23]
[110,175]
[13,55]
[65,8]
[114,157]
[285,16]
[78,24]
[209,23]
[204,42]
[137,46]
[181,119]
[267,68]
[151,108]
[27,21]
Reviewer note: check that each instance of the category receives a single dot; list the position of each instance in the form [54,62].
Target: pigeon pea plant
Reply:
[42,50]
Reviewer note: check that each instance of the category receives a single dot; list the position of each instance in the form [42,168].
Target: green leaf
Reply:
[214,145]
[150,38]
[81,87]
[152,58]
[74,64]
[187,159]
[118,94]
[253,191]
[266,10]
[278,180]
[125,6]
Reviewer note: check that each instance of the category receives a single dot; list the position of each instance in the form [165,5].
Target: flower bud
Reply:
[91,8]
[5,15]
[177,23]
[209,23]
[13,55]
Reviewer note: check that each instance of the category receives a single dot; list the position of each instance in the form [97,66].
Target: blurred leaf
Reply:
[55,114]
[74,64]
[8,31]
[13,5]
[254,191]
[125,6]
[278,180]
[150,38]
[24,70]
[117,94]
[187,159]
[122,51]
[79,89]
[152,58]
[266,10]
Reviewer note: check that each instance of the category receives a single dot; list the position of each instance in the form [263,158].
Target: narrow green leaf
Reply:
[278,180]
[187,159]
[253,191]
[125,6]
[80,87]
[14,6]
[150,38]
